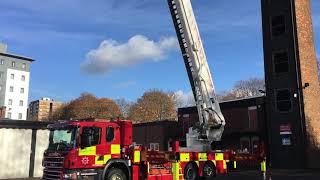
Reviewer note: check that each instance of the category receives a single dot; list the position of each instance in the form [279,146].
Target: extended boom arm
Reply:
[211,119]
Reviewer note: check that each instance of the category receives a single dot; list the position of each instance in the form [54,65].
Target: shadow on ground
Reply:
[272,175]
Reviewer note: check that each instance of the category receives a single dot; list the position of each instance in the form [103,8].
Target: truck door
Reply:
[112,142]
[90,144]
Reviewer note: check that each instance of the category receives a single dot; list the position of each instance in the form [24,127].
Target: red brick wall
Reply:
[309,74]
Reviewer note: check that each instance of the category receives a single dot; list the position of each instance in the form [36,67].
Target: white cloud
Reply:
[183,99]
[112,54]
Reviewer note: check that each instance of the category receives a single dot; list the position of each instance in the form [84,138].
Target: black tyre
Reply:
[209,170]
[191,172]
[116,174]
[230,165]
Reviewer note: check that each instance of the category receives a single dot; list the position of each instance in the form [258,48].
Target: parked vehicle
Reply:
[104,150]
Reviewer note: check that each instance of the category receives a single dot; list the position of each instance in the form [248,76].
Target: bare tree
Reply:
[226,96]
[244,88]
[248,88]
[124,106]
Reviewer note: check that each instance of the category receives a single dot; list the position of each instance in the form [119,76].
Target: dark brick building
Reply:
[245,123]
[292,85]
[156,135]
[244,132]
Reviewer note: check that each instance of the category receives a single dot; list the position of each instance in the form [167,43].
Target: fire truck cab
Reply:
[86,148]
[99,149]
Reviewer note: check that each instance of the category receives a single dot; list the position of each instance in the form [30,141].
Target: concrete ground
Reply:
[256,175]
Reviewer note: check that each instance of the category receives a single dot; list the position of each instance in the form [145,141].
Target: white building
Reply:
[14,83]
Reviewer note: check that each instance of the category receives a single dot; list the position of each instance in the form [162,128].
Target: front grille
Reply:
[53,168]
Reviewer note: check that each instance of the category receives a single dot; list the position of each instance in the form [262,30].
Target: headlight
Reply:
[72,175]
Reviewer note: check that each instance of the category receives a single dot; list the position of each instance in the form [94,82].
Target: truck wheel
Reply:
[209,170]
[190,172]
[116,174]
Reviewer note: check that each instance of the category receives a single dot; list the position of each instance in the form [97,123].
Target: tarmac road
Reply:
[272,175]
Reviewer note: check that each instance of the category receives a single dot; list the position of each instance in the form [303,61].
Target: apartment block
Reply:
[43,109]
[14,84]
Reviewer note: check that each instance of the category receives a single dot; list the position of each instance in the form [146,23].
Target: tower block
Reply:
[292,84]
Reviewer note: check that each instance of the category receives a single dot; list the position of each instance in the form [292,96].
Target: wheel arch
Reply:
[117,163]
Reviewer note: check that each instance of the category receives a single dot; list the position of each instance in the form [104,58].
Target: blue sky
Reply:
[65,36]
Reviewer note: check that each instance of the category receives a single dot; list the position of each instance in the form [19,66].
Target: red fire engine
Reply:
[104,150]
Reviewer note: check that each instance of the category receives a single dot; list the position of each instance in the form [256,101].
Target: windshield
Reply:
[62,139]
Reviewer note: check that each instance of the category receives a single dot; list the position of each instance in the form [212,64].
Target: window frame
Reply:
[21,103]
[12,76]
[20,116]
[154,146]
[271,27]
[11,89]
[13,64]
[10,102]
[290,99]
[23,78]
[107,130]
[274,52]
[9,115]
[100,134]
[21,90]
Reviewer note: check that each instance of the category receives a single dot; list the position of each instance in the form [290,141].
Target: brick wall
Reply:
[309,74]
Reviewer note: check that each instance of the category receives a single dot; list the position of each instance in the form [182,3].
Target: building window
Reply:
[1,74]
[154,146]
[278,25]
[283,100]
[21,90]
[20,116]
[24,65]
[281,62]
[23,78]
[10,102]
[253,117]
[9,115]
[2,61]
[13,64]
[12,76]
[11,88]
[21,103]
